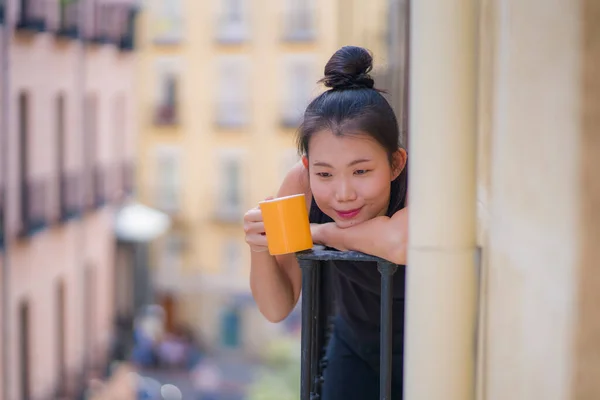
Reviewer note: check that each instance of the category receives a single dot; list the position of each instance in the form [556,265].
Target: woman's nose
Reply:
[345,192]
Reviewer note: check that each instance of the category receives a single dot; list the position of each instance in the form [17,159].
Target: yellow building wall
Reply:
[263,144]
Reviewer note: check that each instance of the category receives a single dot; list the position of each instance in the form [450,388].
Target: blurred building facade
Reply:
[67,151]
[221,95]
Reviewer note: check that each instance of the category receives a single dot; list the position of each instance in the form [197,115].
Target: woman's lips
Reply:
[348,214]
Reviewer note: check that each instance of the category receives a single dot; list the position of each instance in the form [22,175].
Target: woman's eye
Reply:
[361,171]
[324,174]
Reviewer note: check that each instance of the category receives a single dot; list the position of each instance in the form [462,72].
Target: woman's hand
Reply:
[255,230]
[326,235]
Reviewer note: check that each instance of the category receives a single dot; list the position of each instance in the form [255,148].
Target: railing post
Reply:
[387,270]
[317,306]
[308,290]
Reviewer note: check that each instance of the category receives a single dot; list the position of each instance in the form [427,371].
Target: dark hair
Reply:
[353,106]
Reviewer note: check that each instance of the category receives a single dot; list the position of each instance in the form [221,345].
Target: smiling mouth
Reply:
[349,213]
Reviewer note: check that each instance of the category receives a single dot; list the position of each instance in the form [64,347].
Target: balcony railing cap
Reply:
[320,253]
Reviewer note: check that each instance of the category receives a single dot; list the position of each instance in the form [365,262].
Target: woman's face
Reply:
[350,176]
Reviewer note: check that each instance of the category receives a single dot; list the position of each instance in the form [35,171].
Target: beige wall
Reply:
[586,369]
[536,215]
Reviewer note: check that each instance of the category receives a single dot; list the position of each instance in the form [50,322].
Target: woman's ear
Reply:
[399,159]
[305,161]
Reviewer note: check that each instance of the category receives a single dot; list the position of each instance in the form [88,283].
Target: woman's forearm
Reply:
[382,237]
[271,287]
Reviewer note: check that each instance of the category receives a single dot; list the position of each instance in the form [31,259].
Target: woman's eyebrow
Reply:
[351,163]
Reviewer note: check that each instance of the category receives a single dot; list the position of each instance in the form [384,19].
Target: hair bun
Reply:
[349,68]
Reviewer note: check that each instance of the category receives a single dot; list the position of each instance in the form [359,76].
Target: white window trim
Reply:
[168,151]
[232,103]
[225,211]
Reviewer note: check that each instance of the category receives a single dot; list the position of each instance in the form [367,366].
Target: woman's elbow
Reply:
[397,253]
[274,315]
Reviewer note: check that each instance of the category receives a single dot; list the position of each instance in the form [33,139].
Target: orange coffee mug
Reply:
[286,224]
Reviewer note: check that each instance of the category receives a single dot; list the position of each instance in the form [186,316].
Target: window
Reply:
[24,133]
[61,327]
[300,81]
[24,350]
[232,21]
[166,21]
[232,257]
[90,148]
[299,20]
[232,101]
[167,91]
[168,170]
[230,197]
[168,272]
[89,307]
[60,151]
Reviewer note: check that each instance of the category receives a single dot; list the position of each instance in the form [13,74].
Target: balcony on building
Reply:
[232,30]
[127,40]
[70,205]
[127,177]
[33,15]
[68,19]
[231,114]
[2,10]
[100,186]
[33,204]
[166,114]
[112,22]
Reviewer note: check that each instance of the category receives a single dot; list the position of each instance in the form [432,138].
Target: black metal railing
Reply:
[100,186]
[317,308]
[70,204]
[128,177]
[68,25]
[32,15]
[34,217]
[2,11]
[127,41]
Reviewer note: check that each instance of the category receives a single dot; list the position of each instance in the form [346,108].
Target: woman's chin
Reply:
[347,223]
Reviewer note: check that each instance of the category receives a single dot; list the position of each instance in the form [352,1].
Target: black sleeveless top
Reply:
[357,285]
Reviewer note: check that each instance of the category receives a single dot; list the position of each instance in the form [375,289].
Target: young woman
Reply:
[353,173]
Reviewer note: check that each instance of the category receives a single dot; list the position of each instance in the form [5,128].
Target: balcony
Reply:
[70,204]
[2,10]
[127,41]
[231,114]
[318,308]
[112,23]
[166,114]
[68,25]
[32,16]
[34,217]
[128,179]
[100,186]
